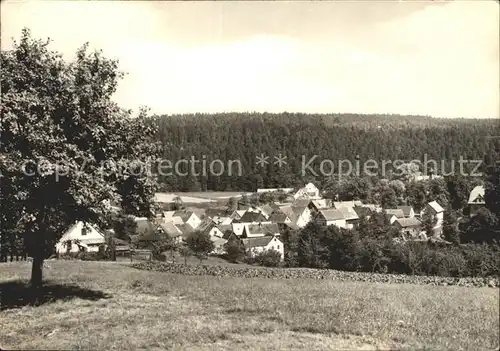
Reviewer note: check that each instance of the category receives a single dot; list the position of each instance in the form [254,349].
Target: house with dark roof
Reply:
[409,227]
[301,202]
[299,216]
[210,227]
[264,243]
[257,230]
[253,217]
[408,211]
[279,217]
[322,204]
[266,210]
[350,216]
[331,217]
[396,212]
[363,211]
[167,228]
[391,217]
[237,214]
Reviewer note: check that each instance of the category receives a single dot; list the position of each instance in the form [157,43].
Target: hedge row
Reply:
[309,273]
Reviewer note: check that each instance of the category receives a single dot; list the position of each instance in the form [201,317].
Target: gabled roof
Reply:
[390,215]
[262,241]
[218,242]
[143,225]
[477,196]
[94,234]
[186,229]
[332,214]
[396,212]
[184,215]
[267,209]
[435,206]
[408,222]
[322,204]
[291,225]
[170,229]
[406,210]
[206,224]
[349,213]
[225,227]
[250,217]
[301,203]
[200,212]
[278,217]
[362,211]
[265,229]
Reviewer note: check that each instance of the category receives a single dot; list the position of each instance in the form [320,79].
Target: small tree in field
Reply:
[67,150]
[268,258]
[235,249]
[185,252]
[200,244]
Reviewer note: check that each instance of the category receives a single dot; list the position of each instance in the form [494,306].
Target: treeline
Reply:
[244,136]
[363,250]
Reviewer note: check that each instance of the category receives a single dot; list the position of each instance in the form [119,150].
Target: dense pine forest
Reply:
[244,136]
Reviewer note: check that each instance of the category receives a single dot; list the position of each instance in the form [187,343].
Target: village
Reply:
[259,226]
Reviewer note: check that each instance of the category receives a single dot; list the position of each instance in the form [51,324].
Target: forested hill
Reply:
[243,136]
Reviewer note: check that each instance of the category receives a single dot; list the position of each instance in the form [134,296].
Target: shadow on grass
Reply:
[17,294]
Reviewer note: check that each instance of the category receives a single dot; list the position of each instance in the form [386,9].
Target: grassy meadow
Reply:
[110,306]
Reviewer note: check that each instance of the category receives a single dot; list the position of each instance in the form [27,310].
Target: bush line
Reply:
[310,273]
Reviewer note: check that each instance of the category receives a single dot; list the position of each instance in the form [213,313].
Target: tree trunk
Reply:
[37,271]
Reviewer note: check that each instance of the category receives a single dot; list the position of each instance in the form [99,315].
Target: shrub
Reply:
[235,250]
[268,258]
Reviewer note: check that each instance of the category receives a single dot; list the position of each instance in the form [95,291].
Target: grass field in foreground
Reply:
[118,307]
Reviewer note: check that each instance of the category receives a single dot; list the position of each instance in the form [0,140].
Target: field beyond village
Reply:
[109,305]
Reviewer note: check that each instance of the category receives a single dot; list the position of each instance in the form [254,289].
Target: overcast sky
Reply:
[436,58]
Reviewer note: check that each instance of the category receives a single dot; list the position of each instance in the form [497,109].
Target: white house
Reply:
[87,237]
[476,200]
[264,243]
[392,217]
[257,230]
[238,228]
[182,217]
[331,217]
[299,215]
[210,227]
[438,212]
[310,191]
